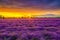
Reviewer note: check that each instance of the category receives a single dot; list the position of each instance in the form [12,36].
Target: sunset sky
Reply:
[18,8]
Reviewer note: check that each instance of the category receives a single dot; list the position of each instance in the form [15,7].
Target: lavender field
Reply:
[30,29]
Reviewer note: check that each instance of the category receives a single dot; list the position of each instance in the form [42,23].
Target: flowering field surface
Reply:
[30,29]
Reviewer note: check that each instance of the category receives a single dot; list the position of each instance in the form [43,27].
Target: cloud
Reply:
[48,4]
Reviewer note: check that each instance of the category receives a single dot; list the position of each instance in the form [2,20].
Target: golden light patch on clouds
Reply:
[10,14]
[30,14]
[23,12]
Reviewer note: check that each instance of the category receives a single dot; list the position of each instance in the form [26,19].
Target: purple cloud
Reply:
[51,4]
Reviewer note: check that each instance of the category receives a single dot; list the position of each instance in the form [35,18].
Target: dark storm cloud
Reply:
[32,3]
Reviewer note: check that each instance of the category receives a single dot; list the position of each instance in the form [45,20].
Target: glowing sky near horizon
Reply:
[19,7]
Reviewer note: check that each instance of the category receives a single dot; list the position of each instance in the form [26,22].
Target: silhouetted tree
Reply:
[1,17]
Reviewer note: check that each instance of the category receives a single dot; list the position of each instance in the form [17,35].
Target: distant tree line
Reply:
[1,17]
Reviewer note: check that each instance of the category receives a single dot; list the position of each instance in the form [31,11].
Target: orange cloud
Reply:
[16,12]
